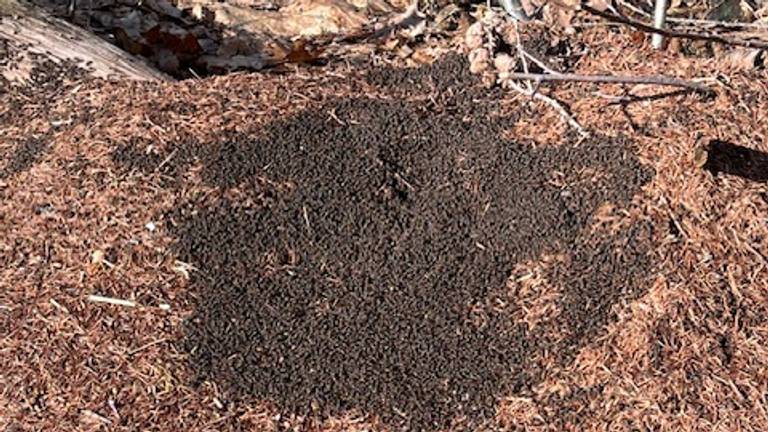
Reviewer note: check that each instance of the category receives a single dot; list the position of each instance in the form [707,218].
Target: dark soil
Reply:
[31,100]
[23,156]
[450,75]
[600,273]
[364,262]
[139,155]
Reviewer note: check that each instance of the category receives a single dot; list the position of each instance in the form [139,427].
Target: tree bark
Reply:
[32,31]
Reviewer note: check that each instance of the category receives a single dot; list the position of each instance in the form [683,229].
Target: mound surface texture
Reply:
[360,260]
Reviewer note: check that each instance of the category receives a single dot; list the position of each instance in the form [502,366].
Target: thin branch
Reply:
[608,79]
[673,33]
[697,22]
[110,300]
[521,55]
[538,62]
[553,103]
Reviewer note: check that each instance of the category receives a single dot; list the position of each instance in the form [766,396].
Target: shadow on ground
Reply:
[728,158]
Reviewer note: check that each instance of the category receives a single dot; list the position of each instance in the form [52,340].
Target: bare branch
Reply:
[698,22]
[553,103]
[114,301]
[674,33]
[521,55]
[537,62]
[612,79]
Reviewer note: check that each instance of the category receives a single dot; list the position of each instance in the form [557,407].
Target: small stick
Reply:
[146,345]
[94,415]
[113,407]
[554,104]
[110,300]
[521,55]
[58,306]
[166,160]
[673,33]
[306,218]
[538,62]
[616,79]
[120,302]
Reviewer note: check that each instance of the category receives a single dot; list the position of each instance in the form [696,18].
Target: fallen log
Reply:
[39,36]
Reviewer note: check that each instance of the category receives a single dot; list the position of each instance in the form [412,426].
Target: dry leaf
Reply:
[203,14]
[219,64]
[479,60]
[560,17]
[97,257]
[674,6]
[405,51]
[174,38]
[504,62]
[600,5]
[674,45]
[745,58]
[391,44]
[166,61]
[300,54]
[700,156]
[163,7]
[423,56]
[473,38]
[300,18]
[637,38]
[129,44]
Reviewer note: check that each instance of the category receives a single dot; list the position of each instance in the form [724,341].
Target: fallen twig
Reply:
[96,416]
[553,103]
[58,306]
[523,59]
[537,61]
[110,300]
[611,79]
[146,345]
[120,302]
[697,22]
[673,33]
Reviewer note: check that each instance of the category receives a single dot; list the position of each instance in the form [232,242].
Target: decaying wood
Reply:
[34,32]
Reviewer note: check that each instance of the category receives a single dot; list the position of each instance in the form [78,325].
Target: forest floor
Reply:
[363,246]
